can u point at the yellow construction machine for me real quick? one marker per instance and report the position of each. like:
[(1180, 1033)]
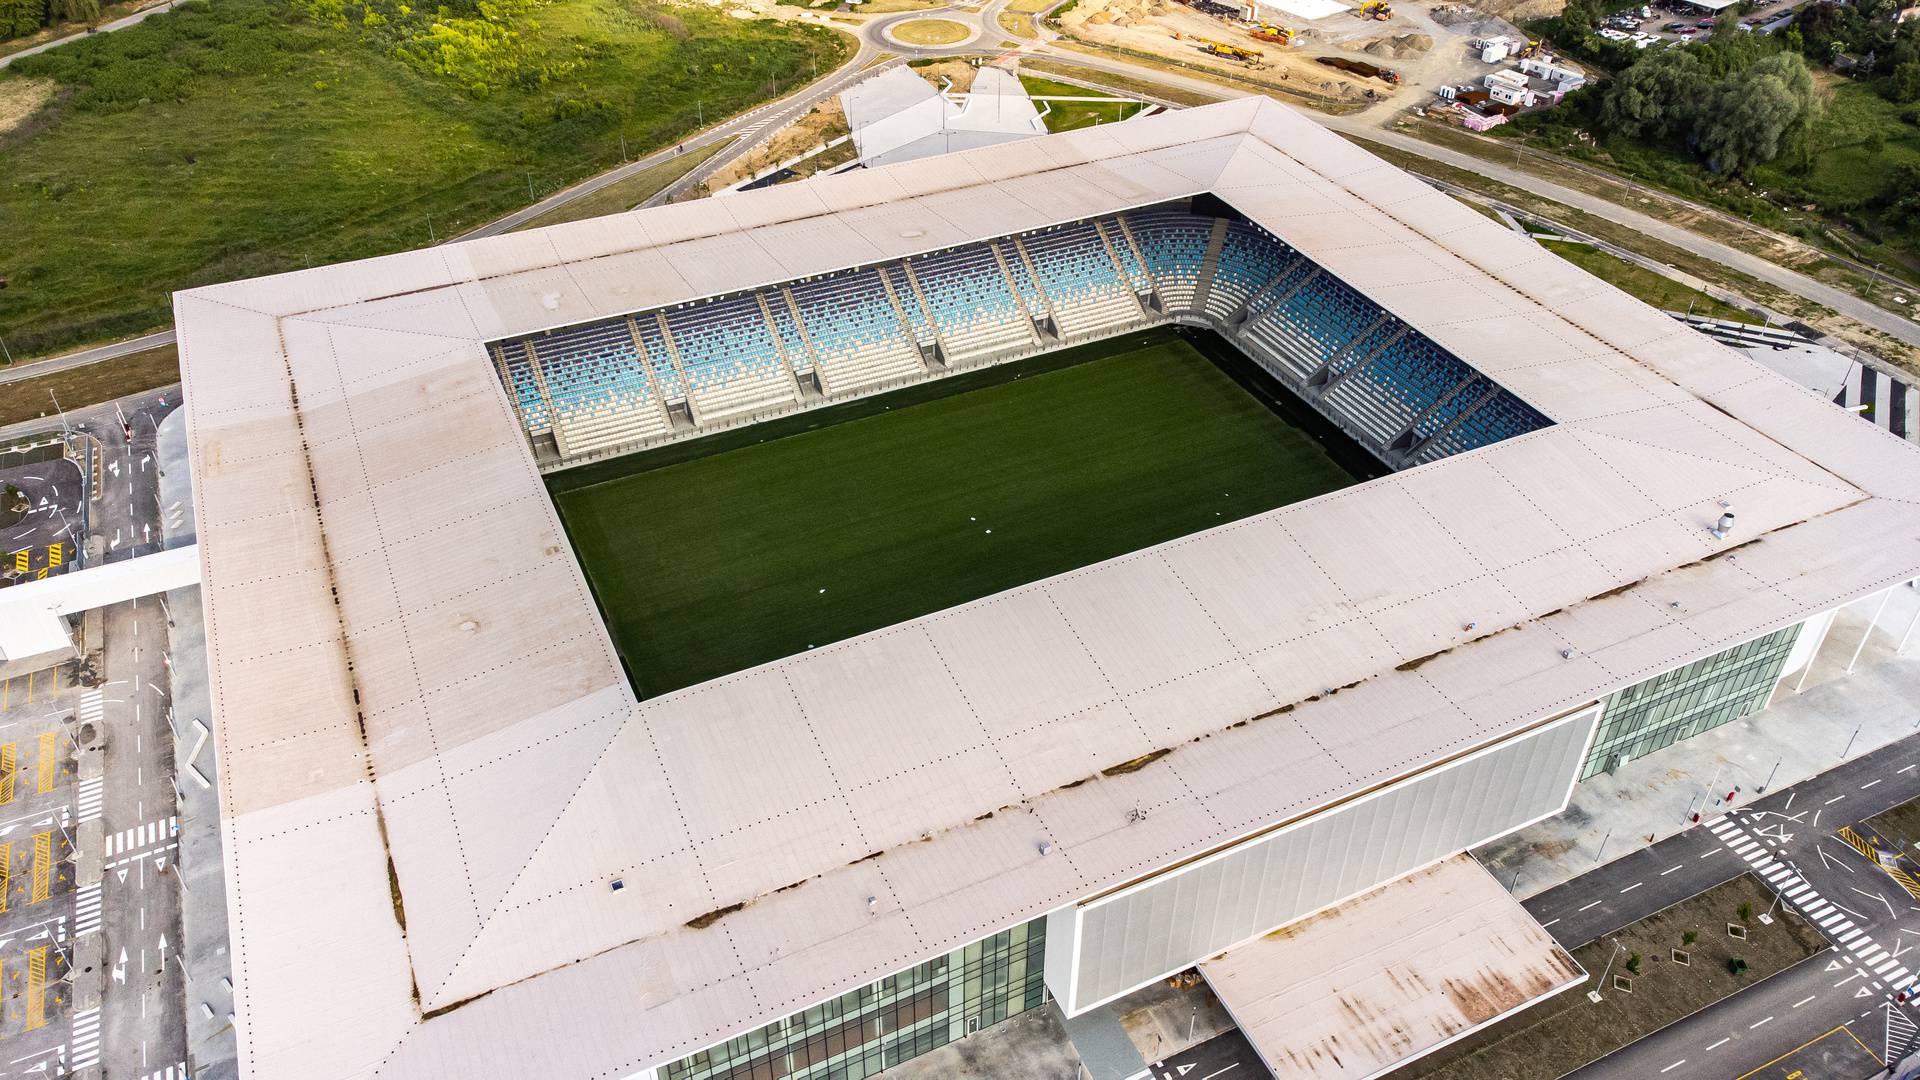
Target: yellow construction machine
[(1249, 57), (1279, 35), (1377, 10)]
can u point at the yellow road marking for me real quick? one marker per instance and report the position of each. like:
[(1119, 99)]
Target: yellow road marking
[(6, 874), (1855, 841), (9, 766), (1810, 1042), (47, 749), (42, 865), (21, 558), (55, 553), (29, 687), (37, 987)]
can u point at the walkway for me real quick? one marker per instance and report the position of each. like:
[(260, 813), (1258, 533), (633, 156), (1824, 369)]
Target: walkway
[(122, 23)]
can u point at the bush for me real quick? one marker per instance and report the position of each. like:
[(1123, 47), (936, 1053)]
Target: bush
[(1737, 966), (1689, 937), (1746, 911), (1633, 964)]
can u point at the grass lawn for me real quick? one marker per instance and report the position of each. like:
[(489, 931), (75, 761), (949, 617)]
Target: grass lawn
[(626, 194), (1637, 281), (711, 565), (1069, 115), (931, 32), (1567, 1031), (238, 137)]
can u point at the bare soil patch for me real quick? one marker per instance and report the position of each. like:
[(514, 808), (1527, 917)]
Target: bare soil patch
[(822, 124), (21, 98)]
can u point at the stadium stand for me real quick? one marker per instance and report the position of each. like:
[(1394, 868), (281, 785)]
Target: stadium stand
[(857, 335), (971, 303), (1174, 244), (728, 357), (616, 384), (1076, 270)]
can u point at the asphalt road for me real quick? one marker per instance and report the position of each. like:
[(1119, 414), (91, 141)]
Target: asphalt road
[(1788, 838), (1226, 1056)]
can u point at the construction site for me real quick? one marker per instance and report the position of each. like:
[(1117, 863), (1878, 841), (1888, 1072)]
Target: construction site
[(1380, 55)]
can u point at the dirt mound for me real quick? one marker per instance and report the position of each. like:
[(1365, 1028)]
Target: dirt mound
[(1398, 46)]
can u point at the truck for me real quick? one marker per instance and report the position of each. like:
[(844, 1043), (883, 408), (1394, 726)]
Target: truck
[(1279, 35), (1360, 68)]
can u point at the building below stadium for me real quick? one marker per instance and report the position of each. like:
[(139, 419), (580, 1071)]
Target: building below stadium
[(463, 838)]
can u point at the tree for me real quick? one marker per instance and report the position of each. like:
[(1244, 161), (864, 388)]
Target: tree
[(1751, 117), (1905, 84), (1633, 964), (1657, 97), (21, 17), (79, 11)]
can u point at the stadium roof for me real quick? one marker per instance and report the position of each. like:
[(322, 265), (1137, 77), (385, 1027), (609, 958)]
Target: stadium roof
[(1389, 976), (432, 767)]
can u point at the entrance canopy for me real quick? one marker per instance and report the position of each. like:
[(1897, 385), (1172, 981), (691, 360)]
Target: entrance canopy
[(1369, 985)]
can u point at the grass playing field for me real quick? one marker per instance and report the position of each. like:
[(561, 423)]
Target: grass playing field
[(718, 563)]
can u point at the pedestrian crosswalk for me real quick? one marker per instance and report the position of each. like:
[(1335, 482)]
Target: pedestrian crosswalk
[(86, 910), (85, 1040), (1882, 969), (1901, 1031), (1886, 402), (142, 836), (172, 1072), (92, 796)]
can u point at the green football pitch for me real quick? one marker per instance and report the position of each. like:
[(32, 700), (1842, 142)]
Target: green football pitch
[(705, 565)]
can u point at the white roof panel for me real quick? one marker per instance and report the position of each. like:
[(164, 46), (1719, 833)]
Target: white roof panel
[(923, 765)]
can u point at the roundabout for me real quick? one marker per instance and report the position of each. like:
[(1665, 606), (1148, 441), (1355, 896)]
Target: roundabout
[(923, 33)]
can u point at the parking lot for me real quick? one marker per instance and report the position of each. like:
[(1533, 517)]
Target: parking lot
[(1676, 22)]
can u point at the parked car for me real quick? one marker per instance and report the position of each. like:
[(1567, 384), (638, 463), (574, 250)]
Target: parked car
[(1687, 31)]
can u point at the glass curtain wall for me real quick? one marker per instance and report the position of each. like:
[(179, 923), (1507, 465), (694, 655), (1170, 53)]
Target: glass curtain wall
[(885, 1023), (1687, 701)]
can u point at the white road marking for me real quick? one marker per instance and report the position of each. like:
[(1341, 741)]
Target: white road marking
[(1596, 903), (1633, 886), (1721, 1043), (1757, 1023), (1833, 800), (1804, 1000), (1870, 783), (1670, 870), (1674, 1066)]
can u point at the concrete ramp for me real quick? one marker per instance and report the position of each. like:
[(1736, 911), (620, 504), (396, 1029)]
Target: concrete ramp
[(1371, 984)]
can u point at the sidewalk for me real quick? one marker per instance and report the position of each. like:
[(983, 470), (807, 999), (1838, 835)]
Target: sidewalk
[(212, 1051), (1835, 718)]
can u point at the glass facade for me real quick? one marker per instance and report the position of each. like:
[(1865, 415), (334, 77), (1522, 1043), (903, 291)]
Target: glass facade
[(885, 1023), (1687, 701)]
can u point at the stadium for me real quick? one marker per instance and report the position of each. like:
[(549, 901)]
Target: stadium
[(781, 634)]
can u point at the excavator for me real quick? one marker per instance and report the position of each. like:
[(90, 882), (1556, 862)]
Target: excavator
[(1377, 10), (1249, 57), (1279, 35), (1529, 49)]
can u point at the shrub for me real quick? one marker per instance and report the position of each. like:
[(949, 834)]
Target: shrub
[(1737, 966), (1689, 937), (1633, 964), (1746, 911)]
